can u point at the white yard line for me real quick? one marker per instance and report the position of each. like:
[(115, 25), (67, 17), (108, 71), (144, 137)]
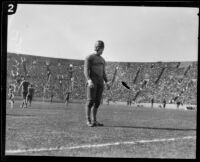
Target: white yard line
[(98, 145)]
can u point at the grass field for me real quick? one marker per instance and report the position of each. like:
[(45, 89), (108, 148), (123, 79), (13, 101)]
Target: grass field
[(53, 130)]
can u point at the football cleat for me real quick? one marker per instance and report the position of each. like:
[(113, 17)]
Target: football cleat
[(90, 124), (98, 124)]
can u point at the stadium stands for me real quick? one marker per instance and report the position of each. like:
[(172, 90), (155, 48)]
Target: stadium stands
[(173, 81)]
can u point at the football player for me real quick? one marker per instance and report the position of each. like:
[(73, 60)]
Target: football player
[(67, 95), (30, 94), (94, 71), (24, 85), (11, 95)]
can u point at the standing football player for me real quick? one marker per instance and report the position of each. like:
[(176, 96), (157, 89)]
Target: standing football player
[(164, 103), (94, 71), (24, 84), (30, 94), (51, 96), (152, 102), (11, 96), (67, 95)]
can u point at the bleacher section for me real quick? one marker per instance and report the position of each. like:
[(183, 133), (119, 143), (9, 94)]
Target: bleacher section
[(173, 81)]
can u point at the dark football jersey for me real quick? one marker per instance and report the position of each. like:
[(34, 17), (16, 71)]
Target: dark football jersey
[(25, 85)]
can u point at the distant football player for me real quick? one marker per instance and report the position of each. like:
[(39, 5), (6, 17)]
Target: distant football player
[(178, 103), (67, 95), (24, 85), (94, 71), (51, 97), (164, 103), (129, 100), (30, 94), (11, 95), (152, 102)]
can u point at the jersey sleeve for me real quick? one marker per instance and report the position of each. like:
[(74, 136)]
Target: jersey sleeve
[(104, 72), (87, 66)]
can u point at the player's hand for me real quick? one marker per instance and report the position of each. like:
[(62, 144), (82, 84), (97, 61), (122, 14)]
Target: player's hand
[(90, 83)]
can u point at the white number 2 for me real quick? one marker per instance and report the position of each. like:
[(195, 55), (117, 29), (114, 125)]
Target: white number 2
[(10, 8)]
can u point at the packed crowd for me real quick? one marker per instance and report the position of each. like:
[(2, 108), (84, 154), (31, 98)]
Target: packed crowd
[(158, 80)]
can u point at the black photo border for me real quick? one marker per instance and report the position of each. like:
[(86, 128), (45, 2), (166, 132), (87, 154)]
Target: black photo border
[(4, 24)]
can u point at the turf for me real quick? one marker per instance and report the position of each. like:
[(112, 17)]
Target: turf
[(46, 125)]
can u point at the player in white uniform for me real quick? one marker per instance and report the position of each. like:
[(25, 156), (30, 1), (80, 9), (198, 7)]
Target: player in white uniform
[(11, 95)]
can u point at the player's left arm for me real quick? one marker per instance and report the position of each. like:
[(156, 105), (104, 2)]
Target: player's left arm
[(105, 77), (104, 73)]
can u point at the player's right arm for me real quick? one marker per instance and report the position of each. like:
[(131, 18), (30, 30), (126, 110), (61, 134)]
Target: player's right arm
[(87, 67)]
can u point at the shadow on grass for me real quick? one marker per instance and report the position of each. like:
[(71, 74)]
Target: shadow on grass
[(153, 128)]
